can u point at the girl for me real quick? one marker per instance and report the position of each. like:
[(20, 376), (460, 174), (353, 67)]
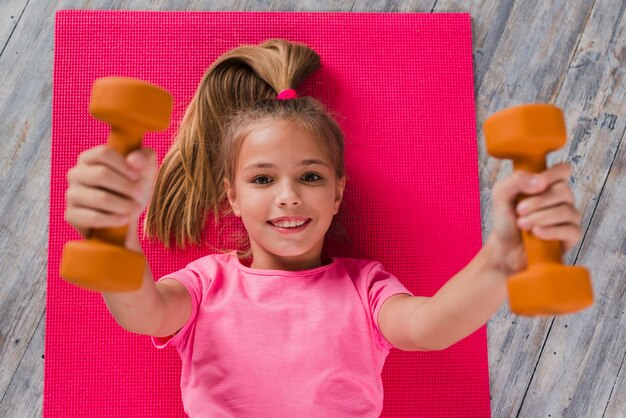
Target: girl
[(278, 330)]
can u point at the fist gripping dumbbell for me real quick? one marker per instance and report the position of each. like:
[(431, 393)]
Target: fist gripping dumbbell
[(131, 107), (526, 134)]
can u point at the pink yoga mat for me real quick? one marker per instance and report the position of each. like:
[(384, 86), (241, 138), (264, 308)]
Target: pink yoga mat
[(403, 89)]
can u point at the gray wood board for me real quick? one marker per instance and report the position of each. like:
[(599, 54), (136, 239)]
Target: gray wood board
[(581, 357), (10, 15)]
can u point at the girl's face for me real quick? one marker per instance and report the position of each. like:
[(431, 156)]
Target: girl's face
[(283, 178)]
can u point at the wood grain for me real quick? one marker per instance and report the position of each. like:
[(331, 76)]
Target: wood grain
[(582, 354), (11, 15), (25, 74)]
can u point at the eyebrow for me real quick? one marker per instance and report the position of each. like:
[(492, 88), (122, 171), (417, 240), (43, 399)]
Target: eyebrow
[(302, 163)]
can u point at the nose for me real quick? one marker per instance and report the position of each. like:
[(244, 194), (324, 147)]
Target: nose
[(288, 195)]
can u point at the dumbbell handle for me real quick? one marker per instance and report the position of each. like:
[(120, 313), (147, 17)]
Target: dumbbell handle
[(123, 141), (537, 250)]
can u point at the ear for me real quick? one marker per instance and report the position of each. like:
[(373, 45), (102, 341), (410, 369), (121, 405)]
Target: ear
[(232, 197), (341, 185)]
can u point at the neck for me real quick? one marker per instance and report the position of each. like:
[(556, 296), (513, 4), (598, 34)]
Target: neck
[(267, 260)]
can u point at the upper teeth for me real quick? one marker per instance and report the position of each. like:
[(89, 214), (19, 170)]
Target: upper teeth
[(288, 224)]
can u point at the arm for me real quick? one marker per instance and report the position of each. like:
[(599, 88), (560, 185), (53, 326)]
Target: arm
[(462, 305), (158, 310), (474, 294), (105, 189)]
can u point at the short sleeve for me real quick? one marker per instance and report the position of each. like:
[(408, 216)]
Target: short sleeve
[(193, 283), (381, 285)]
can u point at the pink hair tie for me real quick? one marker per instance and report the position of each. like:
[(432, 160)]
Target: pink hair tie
[(287, 94)]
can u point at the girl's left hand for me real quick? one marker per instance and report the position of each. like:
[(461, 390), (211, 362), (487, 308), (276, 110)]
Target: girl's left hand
[(548, 212)]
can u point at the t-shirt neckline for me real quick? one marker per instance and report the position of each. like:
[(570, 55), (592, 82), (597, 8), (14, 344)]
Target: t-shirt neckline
[(270, 272)]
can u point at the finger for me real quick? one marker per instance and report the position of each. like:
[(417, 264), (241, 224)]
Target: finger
[(558, 172), (558, 193), (100, 200), (144, 161), (508, 191), (85, 219), (512, 189), (559, 214), (568, 234), (69, 217), (107, 156), (102, 176)]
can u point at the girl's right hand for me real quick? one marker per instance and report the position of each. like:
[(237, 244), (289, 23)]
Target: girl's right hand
[(107, 190)]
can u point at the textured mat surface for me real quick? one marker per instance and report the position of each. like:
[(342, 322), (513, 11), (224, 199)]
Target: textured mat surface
[(402, 87)]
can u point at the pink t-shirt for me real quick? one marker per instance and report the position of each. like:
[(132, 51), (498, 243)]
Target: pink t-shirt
[(274, 343)]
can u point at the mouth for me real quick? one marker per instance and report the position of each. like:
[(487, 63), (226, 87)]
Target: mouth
[(291, 226)]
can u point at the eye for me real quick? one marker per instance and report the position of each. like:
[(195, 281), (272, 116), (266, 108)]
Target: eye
[(261, 180), (312, 177)]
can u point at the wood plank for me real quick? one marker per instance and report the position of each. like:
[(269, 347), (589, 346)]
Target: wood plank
[(577, 372), (11, 13), (24, 396), (413, 6), (208, 5), (25, 71), (593, 95), (298, 6), (617, 400)]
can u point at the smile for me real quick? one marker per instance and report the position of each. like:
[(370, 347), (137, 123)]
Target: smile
[(289, 226)]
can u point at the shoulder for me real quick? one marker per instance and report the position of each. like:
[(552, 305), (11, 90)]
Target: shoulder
[(359, 266), (369, 273), (215, 260), (210, 267)]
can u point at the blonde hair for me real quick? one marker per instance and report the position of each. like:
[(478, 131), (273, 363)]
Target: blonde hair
[(236, 94)]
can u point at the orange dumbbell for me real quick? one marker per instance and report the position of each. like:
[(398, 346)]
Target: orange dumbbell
[(525, 134), (131, 107)]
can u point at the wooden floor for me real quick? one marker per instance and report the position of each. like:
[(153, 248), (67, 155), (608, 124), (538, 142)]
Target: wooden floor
[(570, 53)]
